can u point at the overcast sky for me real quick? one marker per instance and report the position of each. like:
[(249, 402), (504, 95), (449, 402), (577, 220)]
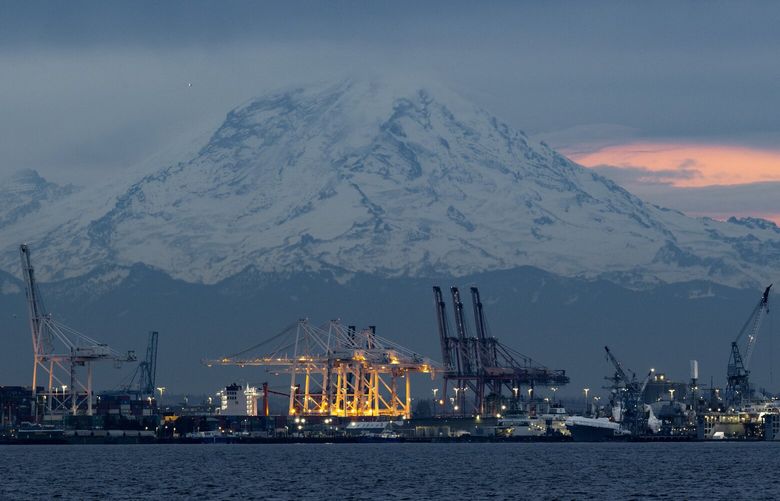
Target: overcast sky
[(90, 88)]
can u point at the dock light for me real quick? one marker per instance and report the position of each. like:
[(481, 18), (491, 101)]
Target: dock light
[(498, 415), (503, 407), (456, 407)]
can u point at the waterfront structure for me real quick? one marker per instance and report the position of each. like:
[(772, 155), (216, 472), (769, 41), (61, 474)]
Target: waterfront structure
[(236, 400), (338, 371), (59, 352), (483, 365)]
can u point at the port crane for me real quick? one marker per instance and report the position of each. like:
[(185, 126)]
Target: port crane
[(59, 352), (482, 364), (627, 394), (142, 382), (345, 371), (738, 387)]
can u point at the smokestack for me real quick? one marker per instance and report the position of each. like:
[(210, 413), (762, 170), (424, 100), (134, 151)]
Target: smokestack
[(694, 370)]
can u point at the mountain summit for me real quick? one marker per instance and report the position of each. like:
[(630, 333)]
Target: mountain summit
[(374, 178)]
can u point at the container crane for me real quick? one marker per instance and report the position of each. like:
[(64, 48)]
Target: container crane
[(738, 387), (345, 372), (483, 364), (146, 372), (58, 352)]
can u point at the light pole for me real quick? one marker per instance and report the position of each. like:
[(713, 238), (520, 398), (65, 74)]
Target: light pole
[(554, 389), (435, 390), (586, 390), (671, 395)]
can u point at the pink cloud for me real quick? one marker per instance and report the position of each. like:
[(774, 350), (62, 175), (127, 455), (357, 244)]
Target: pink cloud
[(689, 165)]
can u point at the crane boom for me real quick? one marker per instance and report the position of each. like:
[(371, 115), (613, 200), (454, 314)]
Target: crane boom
[(148, 368), (754, 323), (628, 392), (41, 342), (619, 370), (441, 318), (460, 324)]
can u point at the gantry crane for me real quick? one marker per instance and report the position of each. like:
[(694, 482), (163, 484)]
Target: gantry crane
[(482, 364), (142, 382), (58, 353), (346, 372), (738, 387), (627, 395)]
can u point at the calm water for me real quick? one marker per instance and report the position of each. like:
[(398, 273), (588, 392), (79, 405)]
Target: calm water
[(393, 471)]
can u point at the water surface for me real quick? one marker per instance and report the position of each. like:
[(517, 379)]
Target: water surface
[(393, 471)]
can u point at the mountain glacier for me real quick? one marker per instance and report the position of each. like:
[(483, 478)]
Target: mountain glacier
[(370, 177)]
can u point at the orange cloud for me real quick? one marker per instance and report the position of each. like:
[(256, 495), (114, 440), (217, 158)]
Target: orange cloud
[(690, 165)]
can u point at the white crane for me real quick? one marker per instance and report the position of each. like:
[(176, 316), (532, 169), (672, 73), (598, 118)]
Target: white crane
[(59, 351)]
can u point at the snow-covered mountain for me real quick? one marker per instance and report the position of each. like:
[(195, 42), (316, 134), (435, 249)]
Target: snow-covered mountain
[(381, 179), (24, 192)]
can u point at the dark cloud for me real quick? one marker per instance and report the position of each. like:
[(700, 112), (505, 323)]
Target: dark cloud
[(756, 198), (632, 176), (94, 86), (687, 164), (719, 202)]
